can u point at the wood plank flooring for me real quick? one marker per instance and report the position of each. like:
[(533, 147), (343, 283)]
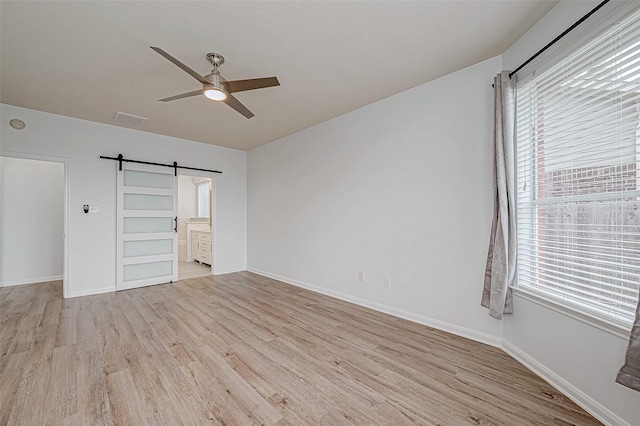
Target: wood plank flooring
[(241, 349), (187, 270)]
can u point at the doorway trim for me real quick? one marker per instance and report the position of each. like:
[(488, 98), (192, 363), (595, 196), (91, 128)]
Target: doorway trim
[(212, 207), (65, 254)]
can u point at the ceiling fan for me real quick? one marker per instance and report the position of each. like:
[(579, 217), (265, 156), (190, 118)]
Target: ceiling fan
[(217, 88)]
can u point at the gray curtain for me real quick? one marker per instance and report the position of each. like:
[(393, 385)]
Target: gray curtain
[(629, 374), (501, 259)]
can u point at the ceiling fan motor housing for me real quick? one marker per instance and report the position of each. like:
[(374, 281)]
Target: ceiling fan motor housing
[(214, 80)]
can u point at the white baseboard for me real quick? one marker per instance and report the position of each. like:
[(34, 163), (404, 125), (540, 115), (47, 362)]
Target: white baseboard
[(229, 271), (589, 404), (396, 312), (30, 281), (90, 292)]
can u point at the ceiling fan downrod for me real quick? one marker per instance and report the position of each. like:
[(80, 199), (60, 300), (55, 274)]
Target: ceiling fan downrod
[(216, 60)]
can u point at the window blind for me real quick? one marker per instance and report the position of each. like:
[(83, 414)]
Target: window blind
[(578, 177)]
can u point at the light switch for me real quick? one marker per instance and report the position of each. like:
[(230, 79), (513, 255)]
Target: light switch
[(94, 209)]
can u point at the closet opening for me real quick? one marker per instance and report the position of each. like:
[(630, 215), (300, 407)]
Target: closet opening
[(33, 211)]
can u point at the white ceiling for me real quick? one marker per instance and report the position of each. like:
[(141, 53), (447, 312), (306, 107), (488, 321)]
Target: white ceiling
[(91, 59)]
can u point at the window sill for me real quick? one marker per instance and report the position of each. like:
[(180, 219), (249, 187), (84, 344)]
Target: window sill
[(618, 329)]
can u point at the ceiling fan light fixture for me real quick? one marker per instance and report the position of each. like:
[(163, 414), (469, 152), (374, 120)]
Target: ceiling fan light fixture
[(215, 94)]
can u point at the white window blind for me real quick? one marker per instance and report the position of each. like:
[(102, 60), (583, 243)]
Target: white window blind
[(578, 177)]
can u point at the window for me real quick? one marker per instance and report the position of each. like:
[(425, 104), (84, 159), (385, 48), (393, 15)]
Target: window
[(578, 177), (203, 199)]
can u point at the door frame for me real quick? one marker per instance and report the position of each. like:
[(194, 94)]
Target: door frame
[(65, 162), (212, 209)]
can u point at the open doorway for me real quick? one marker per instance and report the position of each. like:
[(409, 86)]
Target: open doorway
[(34, 212), (195, 226)]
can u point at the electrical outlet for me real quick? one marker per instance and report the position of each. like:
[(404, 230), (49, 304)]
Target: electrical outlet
[(386, 282), (360, 277), (94, 209)]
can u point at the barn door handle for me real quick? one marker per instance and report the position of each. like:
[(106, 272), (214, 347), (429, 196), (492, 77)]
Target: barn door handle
[(175, 229)]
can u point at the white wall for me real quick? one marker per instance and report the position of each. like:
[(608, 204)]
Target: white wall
[(399, 188), (577, 357), (32, 210), (187, 197), (91, 237)]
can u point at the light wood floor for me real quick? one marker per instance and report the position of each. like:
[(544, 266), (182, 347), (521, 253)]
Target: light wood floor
[(188, 270), (240, 349)]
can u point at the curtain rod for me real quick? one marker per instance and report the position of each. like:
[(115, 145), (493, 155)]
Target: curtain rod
[(555, 40), (120, 158)]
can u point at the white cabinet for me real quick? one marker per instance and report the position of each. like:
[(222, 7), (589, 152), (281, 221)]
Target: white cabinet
[(201, 247), (193, 226)]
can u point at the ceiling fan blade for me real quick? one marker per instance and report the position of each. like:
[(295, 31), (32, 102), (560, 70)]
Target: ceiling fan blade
[(182, 66), (235, 104), (250, 84), (184, 95)]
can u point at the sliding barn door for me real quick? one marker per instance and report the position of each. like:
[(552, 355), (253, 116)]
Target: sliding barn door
[(147, 238)]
